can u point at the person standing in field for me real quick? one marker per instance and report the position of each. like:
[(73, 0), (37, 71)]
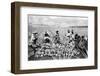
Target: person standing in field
[(57, 38)]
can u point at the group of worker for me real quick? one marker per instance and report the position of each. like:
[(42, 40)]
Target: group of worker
[(72, 41)]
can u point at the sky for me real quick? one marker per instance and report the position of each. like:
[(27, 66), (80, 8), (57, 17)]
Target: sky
[(56, 21)]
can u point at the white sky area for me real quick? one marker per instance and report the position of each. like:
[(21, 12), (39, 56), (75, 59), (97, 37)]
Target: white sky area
[(56, 21)]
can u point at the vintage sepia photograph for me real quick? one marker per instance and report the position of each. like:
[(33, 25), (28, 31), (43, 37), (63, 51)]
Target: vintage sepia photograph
[(57, 37)]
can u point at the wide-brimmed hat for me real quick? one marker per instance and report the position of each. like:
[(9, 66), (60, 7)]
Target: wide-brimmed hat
[(34, 33)]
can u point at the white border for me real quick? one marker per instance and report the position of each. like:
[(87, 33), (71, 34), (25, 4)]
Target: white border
[(25, 64)]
